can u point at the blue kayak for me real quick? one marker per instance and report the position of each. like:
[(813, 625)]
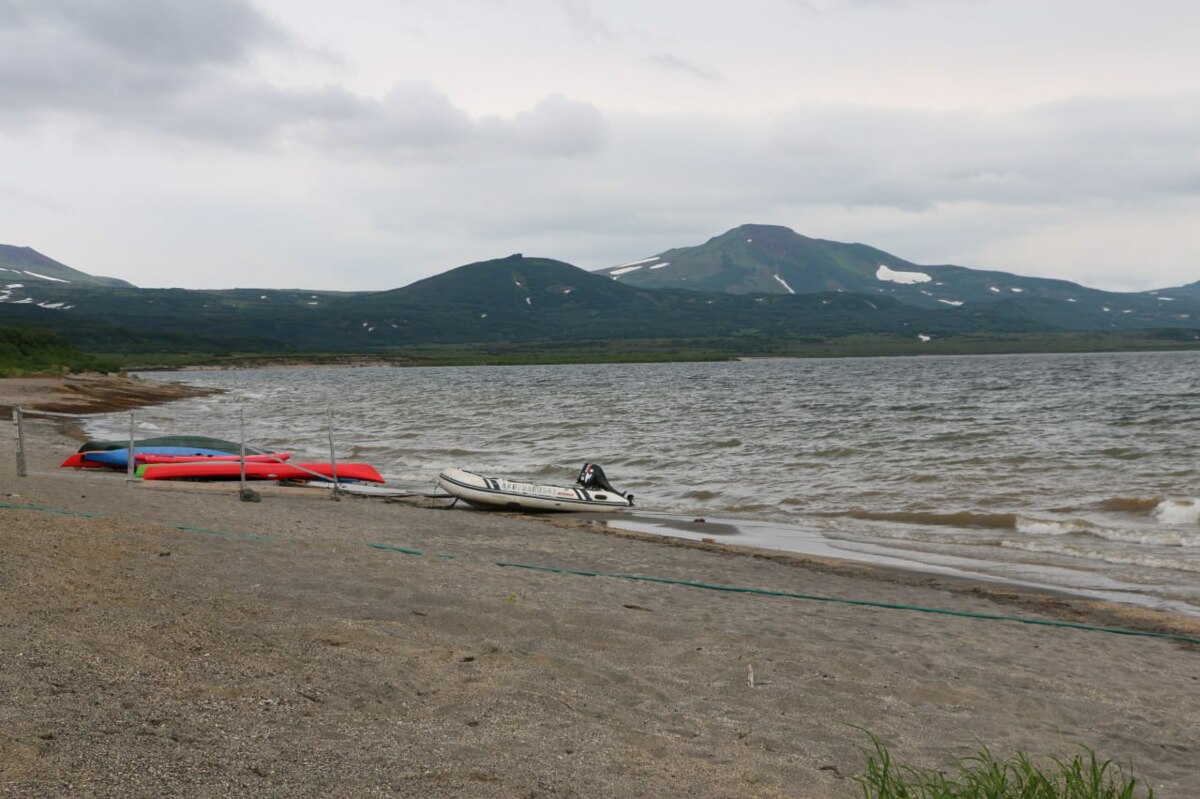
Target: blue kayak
[(120, 457)]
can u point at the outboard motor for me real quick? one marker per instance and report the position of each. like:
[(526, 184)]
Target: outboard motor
[(591, 477)]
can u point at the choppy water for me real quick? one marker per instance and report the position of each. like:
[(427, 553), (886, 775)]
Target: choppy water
[(1076, 471)]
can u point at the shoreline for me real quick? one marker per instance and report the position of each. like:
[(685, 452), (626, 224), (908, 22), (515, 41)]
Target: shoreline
[(176, 641), (90, 394)]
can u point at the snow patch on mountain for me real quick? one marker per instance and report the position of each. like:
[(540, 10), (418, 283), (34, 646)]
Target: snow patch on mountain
[(894, 276)]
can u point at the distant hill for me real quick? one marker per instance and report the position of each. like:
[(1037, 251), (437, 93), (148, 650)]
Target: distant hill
[(822, 290), (772, 259), (25, 264), (1190, 290), (512, 299)]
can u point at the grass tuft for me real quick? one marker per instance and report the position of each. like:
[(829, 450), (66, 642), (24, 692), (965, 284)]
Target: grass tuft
[(982, 776)]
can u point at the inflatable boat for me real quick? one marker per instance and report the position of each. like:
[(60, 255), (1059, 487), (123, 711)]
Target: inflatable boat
[(591, 492)]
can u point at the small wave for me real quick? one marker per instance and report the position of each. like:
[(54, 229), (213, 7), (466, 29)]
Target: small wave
[(1178, 511), (836, 452), (728, 443), (701, 494), (454, 453), (1161, 538), (1116, 557), (749, 508), (961, 519), (1043, 527), (1137, 505), (1123, 453)]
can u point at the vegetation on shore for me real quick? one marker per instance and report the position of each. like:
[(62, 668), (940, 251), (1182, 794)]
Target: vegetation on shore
[(27, 350), (680, 350), (982, 776)]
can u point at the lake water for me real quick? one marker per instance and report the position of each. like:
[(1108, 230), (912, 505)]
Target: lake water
[(1071, 471)]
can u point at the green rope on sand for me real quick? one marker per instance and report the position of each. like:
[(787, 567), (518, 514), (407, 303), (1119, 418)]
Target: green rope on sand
[(11, 506), (688, 583), (390, 548), (863, 602)]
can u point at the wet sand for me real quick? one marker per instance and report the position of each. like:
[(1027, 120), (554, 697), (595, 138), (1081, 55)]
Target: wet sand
[(175, 641)]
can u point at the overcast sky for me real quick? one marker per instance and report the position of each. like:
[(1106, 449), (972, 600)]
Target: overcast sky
[(365, 144)]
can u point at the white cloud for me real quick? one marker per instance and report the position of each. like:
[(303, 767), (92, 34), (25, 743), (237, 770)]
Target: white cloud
[(284, 143)]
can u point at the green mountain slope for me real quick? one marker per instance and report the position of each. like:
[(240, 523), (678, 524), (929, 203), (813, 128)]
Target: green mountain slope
[(777, 260), (849, 289), (27, 265), (512, 299)]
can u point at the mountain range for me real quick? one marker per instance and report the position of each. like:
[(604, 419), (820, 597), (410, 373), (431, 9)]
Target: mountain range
[(770, 259), (753, 283)]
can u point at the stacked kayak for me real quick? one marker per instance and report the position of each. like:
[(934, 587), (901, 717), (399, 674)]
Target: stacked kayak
[(203, 458), (188, 442), (119, 458)]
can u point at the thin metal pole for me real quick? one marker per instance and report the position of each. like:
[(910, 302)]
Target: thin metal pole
[(19, 418), (332, 451), (242, 421), (131, 464)]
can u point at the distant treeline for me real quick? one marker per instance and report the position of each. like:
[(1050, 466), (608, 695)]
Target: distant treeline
[(24, 350)]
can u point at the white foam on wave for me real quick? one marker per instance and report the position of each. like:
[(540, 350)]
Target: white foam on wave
[(1054, 529), (1121, 557), (1178, 511), (1161, 538), (1041, 527)]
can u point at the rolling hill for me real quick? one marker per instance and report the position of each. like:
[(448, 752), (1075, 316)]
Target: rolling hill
[(772, 259), (514, 299), (820, 291)]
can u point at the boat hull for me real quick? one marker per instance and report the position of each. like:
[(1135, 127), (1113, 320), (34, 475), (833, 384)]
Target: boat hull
[(226, 470), (120, 457), (500, 494)]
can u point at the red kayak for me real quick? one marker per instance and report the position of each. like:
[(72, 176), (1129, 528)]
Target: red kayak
[(226, 470)]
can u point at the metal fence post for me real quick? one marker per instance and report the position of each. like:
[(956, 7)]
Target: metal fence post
[(19, 419), (131, 463)]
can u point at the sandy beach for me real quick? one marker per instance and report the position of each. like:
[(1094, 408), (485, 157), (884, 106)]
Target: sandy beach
[(176, 641)]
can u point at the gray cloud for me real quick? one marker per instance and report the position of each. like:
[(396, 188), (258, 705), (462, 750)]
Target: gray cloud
[(1082, 149), (673, 63), (168, 31), (131, 61), (415, 119), (823, 6), (164, 67), (585, 20), (557, 128)]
